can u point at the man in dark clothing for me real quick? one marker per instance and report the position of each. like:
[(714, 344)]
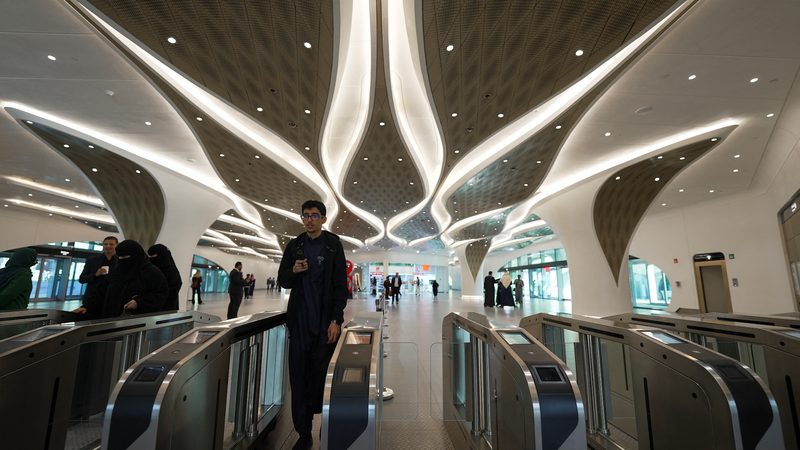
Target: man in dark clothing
[(488, 290), (161, 257), (396, 283), (95, 277), (236, 285), (313, 267), (136, 286)]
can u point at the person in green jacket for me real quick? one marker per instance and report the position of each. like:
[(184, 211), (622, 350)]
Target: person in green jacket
[(15, 280)]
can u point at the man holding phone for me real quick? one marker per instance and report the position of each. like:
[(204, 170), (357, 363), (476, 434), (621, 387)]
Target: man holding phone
[(95, 276), (313, 267)]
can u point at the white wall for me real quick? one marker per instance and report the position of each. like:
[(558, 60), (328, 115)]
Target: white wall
[(250, 264), (22, 229)]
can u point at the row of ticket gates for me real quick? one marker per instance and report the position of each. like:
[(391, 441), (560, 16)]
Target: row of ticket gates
[(187, 380)]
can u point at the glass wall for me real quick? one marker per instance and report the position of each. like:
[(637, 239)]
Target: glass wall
[(650, 287), (545, 274), (215, 278)]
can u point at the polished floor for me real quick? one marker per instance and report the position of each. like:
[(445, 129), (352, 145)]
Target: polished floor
[(412, 367)]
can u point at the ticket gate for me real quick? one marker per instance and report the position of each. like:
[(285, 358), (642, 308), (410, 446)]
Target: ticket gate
[(218, 386), (16, 322), (351, 405), (789, 320), (504, 390), (772, 352), (55, 380), (646, 388)]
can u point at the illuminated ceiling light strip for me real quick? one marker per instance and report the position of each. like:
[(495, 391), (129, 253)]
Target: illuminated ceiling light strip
[(456, 244), (412, 108), (551, 187), (471, 220), (532, 240), (250, 237), (358, 243), (225, 242), (506, 235), (518, 131), (24, 112), (249, 251), (420, 240), (238, 123), (351, 98), (99, 218), (55, 190), (263, 233)]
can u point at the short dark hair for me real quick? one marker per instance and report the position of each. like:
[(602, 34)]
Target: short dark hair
[(490, 272), (308, 204), (111, 238), (238, 264)]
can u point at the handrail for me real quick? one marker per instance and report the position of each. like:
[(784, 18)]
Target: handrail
[(16, 322)]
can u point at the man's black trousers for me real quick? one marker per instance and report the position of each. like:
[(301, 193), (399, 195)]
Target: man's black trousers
[(233, 306), (307, 370)]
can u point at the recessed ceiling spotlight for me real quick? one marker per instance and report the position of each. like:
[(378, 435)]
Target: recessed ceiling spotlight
[(30, 195), (258, 156), (660, 157), (657, 179), (682, 158), (366, 158), (501, 115), (400, 159), (450, 47), (355, 182), (259, 109), (456, 151), (692, 76), (51, 57), (538, 162), (307, 44), (771, 115), (558, 127), (77, 206), (754, 79), (5, 206), (735, 170), (307, 111), (663, 204), (199, 119), (29, 122), (714, 139), (222, 155), (49, 214), (455, 114), (526, 184), (383, 124), (91, 146), (607, 134), (94, 169), (148, 123), (66, 145), (579, 52), (138, 171), (307, 147), (67, 180), (171, 40), (618, 178), (737, 156), (505, 160), (710, 191), (681, 190), (411, 183), (109, 92)]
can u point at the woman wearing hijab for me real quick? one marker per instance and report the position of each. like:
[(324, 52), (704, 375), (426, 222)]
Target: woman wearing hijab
[(136, 286), (161, 257), (504, 296), (197, 281), (15, 280)]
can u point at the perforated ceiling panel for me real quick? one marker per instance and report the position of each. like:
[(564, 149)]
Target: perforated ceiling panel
[(382, 173), (625, 196), (139, 216), (475, 252), (509, 56), (350, 225), (419, 226), (250, 53), (258, 178), (485, 228)]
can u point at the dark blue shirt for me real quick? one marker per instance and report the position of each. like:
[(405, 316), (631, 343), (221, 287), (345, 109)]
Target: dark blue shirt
[(310, 313)]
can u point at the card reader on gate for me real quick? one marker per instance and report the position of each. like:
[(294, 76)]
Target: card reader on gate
[(149, 373)]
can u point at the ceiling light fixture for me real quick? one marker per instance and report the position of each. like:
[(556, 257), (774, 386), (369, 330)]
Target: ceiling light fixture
[(455, 114), (681, 190), (579, 52), (171, 40), (259, 109), (355, 182), (754, 80), (67, 180), (138, 171), (307, 111), (307, 44), (400, 159), (51, 57), (737, 156), (692, 76), (558, 127), (456, 151), (383, 124), (29, 122), (660, 157), (607, 134), (500, 115), (148, 123), (236, 180), (307, 147), (505, 160), (710, 191), (663, 204), (450, 47), (714, 139), (771, 115), (366, 158), (222, 155), (94, 169), (682, 158), (66, 145), (618, 178), (735, 170), (258, 156), (91, 146), (657, 179), (199, 119)]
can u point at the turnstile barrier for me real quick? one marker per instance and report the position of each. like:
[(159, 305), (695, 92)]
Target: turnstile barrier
[(16, 322)]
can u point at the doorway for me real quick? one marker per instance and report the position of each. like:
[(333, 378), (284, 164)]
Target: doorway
[(713, 292)]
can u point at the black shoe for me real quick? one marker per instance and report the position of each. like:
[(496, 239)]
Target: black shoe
[(303, 443)]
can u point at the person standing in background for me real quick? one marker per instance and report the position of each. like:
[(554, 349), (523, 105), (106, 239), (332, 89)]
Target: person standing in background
[(136, 286), (488, 290), (161, 257), (197, 283), (504, 297), (15, 280), (252, 285), (518, 285), (417, 286), (435, 287), (397, 282), (95, 277), (236, 286)]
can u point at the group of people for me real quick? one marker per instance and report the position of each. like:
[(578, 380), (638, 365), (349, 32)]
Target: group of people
[(272, 284), (504, 295), (393, 285)]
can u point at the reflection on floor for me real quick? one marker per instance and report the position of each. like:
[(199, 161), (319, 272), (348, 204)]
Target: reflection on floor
[(413, 365)]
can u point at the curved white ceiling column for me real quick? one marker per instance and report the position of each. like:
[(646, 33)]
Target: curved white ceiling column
[(236, 122), (351, 100), (411, 105), (527, 125)]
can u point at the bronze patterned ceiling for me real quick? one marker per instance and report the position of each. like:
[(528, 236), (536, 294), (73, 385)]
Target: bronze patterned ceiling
[(139, 216), (625, 196), (475, 253), (419, 226)]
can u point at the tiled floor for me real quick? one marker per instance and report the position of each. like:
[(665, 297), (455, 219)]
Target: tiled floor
[(412, 367)]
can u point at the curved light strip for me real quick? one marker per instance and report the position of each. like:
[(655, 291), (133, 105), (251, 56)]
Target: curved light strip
[(551, 187), (351, 99), (24, 112), (532, 240), (225, 242), (420, 240), (236, 122), (532, 122), (260, 231), (506, 235), (351, 240), (252, 238), (471, 220), (94, 217), (412, 107), (55, 190)]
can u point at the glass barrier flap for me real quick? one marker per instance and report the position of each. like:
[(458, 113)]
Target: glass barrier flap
[(400, 374)]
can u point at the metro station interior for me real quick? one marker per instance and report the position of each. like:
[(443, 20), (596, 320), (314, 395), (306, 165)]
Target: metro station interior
[(631, 165)]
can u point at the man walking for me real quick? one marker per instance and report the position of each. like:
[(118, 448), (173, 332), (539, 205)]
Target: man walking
[(396, 283), (488, 290), (313, 267), (518, 285), (236, 285)]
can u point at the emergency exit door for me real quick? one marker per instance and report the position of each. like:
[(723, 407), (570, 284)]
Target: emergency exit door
[(713, 292)]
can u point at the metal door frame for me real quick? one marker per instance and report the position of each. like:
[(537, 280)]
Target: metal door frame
[(698, 281)]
